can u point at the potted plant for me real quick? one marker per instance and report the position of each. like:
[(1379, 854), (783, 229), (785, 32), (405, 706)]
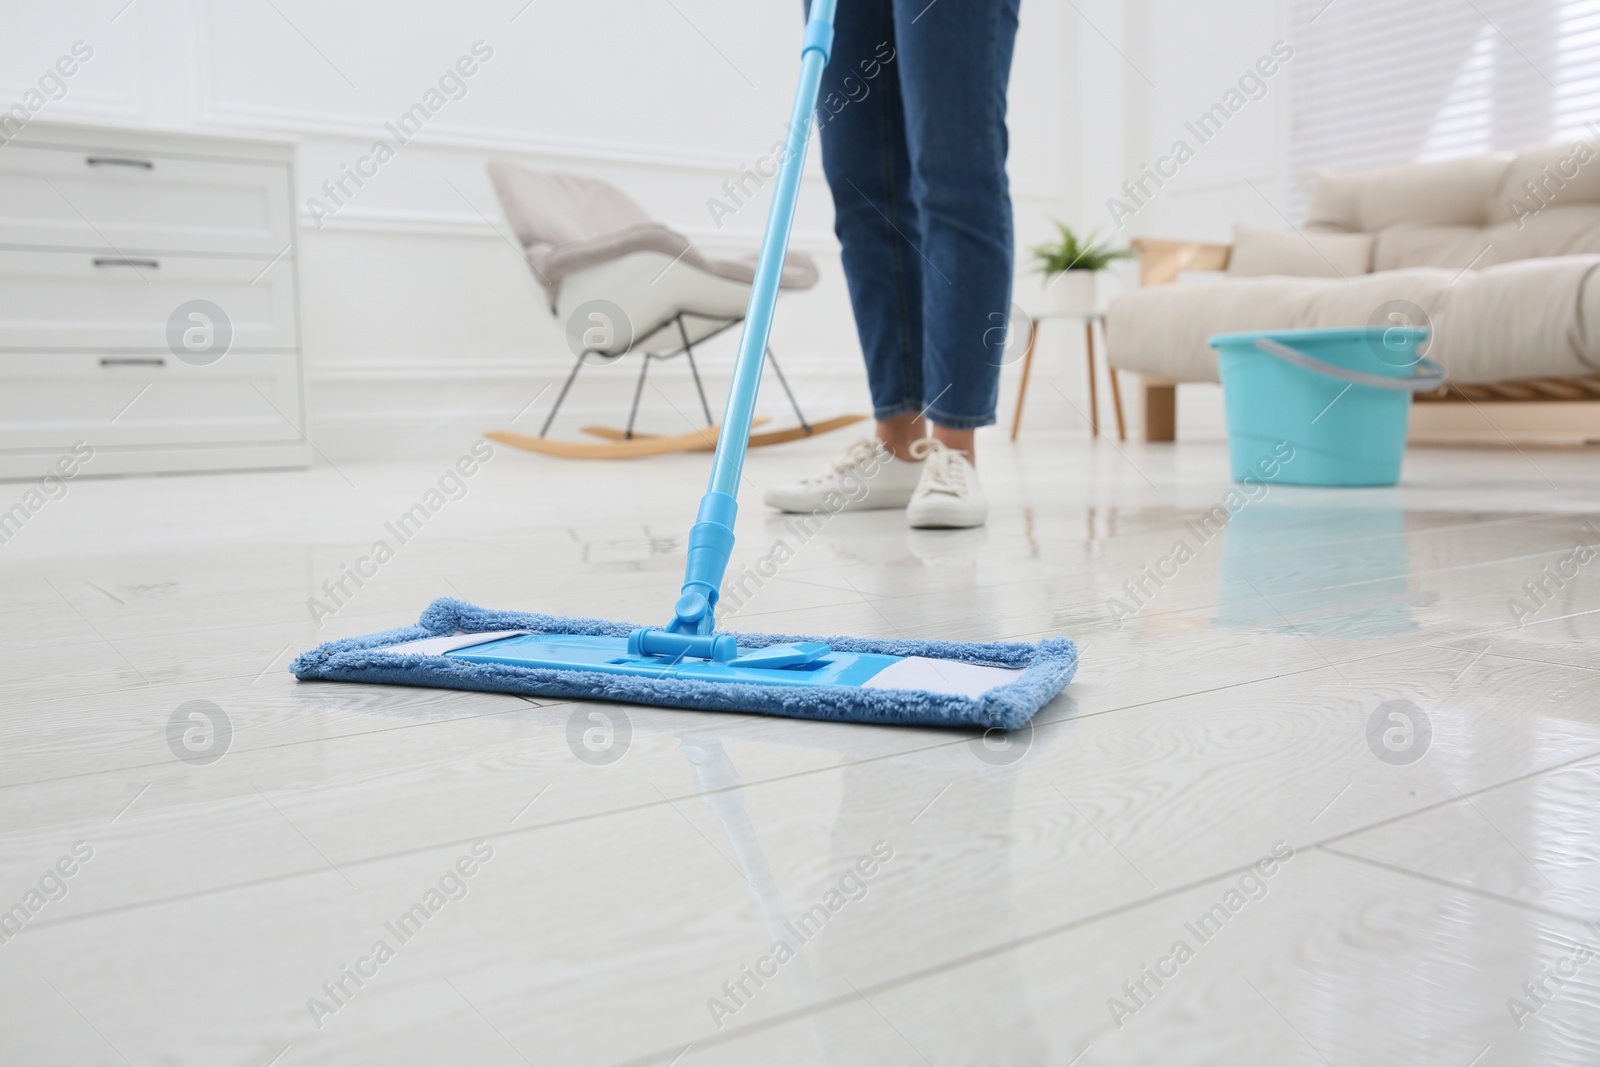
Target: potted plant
[(1069, 264)]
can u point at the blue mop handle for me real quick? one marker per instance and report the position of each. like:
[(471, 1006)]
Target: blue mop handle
[(711, 538), (728, 465)]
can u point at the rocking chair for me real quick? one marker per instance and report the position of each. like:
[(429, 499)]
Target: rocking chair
[(622, 282)]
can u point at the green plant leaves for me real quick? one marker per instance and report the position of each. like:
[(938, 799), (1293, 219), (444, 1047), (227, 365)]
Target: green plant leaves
[(1070, 252)]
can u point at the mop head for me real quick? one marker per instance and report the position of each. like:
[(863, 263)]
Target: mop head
[(456, 645)]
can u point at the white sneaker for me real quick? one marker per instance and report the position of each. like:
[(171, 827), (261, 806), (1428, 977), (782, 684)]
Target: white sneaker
[(863, 477), (948, 495)]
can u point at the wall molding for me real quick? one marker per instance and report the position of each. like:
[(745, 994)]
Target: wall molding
[(77, 106), (404, 373), (412, 371), (362, 132), (237, 116), (469, 224), (468, 139)]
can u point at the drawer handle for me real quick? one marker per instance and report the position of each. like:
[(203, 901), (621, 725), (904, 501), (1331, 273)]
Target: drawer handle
[(133, 361), (119, 161), (123, 261)]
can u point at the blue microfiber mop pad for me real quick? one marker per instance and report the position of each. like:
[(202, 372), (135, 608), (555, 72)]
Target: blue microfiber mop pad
[(1047, 668)]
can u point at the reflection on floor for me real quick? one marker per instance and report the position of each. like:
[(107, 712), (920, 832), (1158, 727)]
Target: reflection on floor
[(1323, 791)]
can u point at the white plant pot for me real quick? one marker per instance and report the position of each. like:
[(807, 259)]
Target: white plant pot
[(1072, 292)]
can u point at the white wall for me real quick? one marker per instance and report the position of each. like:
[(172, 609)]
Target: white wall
[(1146, 67), (1194, 54), (420, 321)]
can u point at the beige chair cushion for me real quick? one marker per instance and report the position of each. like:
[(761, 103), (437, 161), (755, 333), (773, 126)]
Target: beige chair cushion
[(1310, 254), (1455, 193), (566, 222), (1528, 319), (550, 208)]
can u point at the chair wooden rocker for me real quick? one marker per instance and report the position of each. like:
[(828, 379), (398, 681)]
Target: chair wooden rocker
[(621, 283)]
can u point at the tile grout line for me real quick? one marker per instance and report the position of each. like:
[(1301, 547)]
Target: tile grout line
[(1445, 883)]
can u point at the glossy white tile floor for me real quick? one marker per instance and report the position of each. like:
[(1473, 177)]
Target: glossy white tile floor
[(1240, 712)]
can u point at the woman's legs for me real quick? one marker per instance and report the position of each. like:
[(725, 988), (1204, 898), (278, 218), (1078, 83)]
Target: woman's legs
[(912, 119), (954, 60), (900, 432), (861, 118)]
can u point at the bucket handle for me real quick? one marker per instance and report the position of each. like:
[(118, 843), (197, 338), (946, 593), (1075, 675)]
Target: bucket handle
[(1432, 377)]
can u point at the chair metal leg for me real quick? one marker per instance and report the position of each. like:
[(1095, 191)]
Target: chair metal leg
[(694, 369), (637, 393), (560, 397), (804, 425)]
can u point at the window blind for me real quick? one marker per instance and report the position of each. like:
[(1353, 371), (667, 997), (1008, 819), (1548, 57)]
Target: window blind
[(1377, 82)]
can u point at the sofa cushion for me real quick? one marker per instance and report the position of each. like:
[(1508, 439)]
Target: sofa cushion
[(1561, 174), (1398, 247), (1555, 231), (1453, 193), (1311, 254), (1528, 319)]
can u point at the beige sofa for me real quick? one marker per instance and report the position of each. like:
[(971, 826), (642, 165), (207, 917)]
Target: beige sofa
[(1499, 255)]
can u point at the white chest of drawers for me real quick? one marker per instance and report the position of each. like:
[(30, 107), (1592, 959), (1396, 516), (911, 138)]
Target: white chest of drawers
[(148, 302)]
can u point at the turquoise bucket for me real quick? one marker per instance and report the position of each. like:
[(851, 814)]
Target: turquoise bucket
[(1340, 399)]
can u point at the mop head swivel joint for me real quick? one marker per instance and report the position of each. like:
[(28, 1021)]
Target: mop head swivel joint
[(710, 545)]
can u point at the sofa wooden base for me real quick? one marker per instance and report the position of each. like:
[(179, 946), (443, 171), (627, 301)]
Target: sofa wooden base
[(1160, 409), (1526, 389)]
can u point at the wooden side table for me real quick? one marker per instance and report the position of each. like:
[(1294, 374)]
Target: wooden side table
[(1089, 320)]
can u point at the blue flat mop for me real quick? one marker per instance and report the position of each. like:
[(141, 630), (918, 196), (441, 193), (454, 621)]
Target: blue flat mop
[(687, 664)]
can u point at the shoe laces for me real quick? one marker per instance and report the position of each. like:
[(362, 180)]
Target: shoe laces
[(943, 468), (850, 459)]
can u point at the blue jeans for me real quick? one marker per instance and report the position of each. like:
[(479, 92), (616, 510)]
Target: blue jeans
[(913, 125)]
